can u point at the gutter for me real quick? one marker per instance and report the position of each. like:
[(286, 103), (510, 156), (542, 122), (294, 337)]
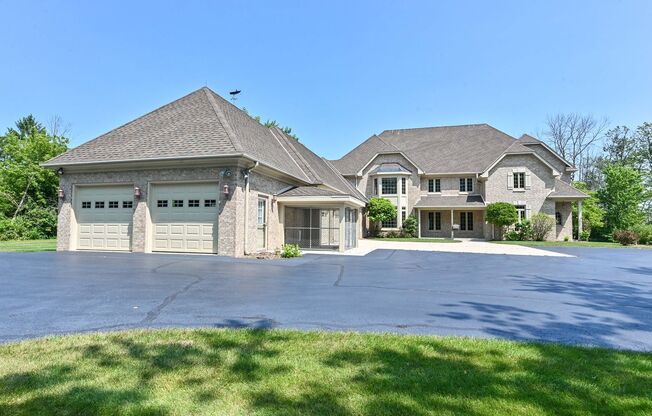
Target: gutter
[(246, 211)]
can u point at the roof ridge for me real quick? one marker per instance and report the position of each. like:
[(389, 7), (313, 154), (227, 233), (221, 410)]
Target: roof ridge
[(292, 158), (340, 177), (439, 127), (222, 119), (288, 141)]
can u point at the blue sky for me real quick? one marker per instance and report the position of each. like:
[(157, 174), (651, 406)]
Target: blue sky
[(336, 72)]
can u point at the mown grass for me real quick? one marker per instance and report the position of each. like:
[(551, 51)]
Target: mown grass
[(416, 240), (599, 244), (256, 372), (28, 245)]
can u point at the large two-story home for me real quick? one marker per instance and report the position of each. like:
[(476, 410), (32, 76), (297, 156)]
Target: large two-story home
[(446, 176), (199, 175)]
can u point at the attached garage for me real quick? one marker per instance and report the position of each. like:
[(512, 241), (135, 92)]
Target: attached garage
[(184, 217), (104, 217)]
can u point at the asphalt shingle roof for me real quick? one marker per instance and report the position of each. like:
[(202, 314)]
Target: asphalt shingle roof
[(450, 201), (564, 190), (449, 149)]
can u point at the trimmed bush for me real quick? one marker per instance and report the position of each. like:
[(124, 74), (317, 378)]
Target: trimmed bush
[(410, 226), (290, 250), (626, 237), (542, 224), (512, 235), (501, 215), (585, 235), (524, 230)]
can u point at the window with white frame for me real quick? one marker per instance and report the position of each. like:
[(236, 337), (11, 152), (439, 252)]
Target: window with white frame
[(434, 185), (437, 185), (519, 180), (127, 204), (177, 203), (466, 221), (466, 184), (521, 210), (403, 186), (114, 204), (209, 203), (388, 186), (193, 203), (389, 224), (86, 204), (431, 221), (438, 221), (403, 213)]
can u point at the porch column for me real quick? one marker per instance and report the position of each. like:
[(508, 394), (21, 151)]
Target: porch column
[(342, 230), (399, 203), (452, 220), (419, 223), (579, 218)]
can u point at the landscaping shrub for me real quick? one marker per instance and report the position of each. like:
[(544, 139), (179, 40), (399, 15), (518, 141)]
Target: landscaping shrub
[(644, 233), (290, 250), (567, 239), (379, 210), (542, 224), (501, 215), (585, 235), (524, 230), (410, 226), (626, 237), (512, 235)]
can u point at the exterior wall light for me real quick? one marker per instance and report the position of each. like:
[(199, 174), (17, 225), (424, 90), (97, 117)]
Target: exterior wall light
[(137, 192), (60, 171), (226, 191), (61, 194)]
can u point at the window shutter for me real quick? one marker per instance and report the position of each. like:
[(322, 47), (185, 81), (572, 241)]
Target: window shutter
[(510, 180), (527, 212), (528, 180)]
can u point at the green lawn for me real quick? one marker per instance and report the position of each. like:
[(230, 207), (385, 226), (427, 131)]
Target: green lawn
[(416, 240), (28, 245), (571, 244), (244, 372)]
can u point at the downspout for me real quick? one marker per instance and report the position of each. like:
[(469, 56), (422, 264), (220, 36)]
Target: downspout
[(246, 211)]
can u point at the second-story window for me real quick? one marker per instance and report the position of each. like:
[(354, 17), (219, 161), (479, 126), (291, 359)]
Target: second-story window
[(519, 180), (466, 184), (403, 186), (375, 186), (437, 185), (431, 185), (388, 186)]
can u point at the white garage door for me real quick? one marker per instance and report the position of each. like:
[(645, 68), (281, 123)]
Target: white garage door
[(104, 217), (184, 217)]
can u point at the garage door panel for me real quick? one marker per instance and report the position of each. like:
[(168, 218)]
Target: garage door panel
[(184, 226), (104, 222)]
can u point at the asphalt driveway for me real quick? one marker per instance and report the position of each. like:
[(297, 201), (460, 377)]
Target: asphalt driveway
[(601, 297)]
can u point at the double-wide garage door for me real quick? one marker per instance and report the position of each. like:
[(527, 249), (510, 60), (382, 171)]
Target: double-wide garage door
[(104, 217), (184, 217)]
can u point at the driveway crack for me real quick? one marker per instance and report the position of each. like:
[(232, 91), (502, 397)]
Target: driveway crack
[(154, 313)]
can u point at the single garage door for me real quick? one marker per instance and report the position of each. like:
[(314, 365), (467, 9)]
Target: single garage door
[(184, 217), (104, 217)]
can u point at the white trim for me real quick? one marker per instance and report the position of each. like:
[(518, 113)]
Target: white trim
[(550, 149), (345, 199), (397, 152)]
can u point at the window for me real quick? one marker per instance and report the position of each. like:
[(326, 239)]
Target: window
[(403, 213), (177, 203), (209, 203), (466, 184), (519, 180), (389, 224), (193, 203), (127, 204), (388, 186), (558, 217), (114, 204), (262, 204), (437, 185), (431, 185), (466, 221), (403, 186), (431, 220), (86, 204), (99, 204), (162, 203), (375, 186), (522, 212), (437, 221)]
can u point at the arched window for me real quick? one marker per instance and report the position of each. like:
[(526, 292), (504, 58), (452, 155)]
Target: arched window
[(558, 217)]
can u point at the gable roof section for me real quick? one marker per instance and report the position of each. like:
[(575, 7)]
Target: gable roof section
[(528, 140), (564, 190), (200, 124), (435, 150)]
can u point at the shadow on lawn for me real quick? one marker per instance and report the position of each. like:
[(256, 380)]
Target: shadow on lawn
[(372, 376)]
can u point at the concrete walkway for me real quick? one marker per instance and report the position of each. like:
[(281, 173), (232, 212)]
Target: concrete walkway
[(465, 246)]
